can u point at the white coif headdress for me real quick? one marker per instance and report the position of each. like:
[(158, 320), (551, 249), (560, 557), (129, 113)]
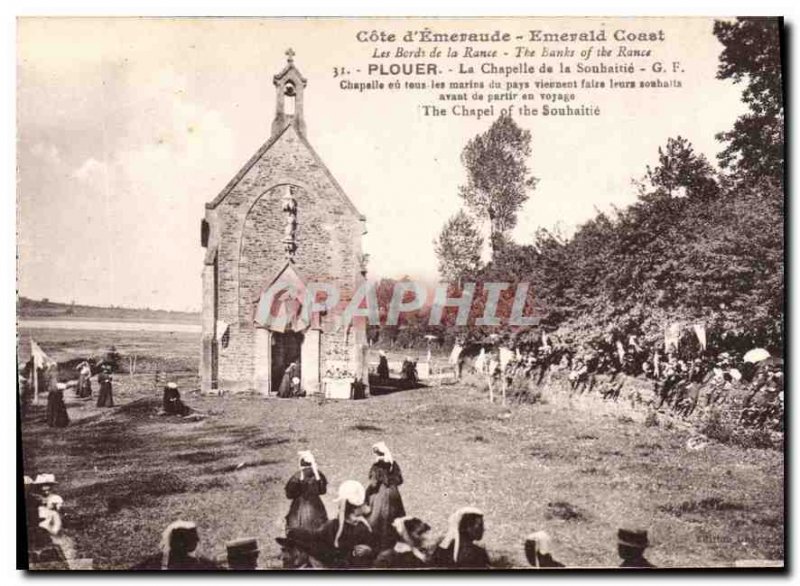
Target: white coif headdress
[(308, 457), (166, 538), (353, 492), (453, 523), (406, 542), (542, 541), (382, 453)]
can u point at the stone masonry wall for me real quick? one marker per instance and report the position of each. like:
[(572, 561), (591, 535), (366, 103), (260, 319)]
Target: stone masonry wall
[(250, 228)]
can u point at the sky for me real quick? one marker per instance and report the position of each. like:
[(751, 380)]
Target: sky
[(127, 127)]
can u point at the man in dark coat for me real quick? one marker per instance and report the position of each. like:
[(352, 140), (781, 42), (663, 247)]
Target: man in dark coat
[(300, 550), (631, 544), (243, 554)]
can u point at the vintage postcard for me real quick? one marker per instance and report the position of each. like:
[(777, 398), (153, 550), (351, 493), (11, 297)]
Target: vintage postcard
[(400, 293)]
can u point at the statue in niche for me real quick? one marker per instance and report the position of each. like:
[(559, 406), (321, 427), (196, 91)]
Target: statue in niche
[(363, 259), (289, 208)]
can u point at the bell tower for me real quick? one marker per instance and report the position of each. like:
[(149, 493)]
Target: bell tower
[(289, 87)]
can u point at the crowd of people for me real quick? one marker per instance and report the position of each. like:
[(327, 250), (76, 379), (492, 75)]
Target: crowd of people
[(371, 529), (56, 413), (409, 376), (685, 382)]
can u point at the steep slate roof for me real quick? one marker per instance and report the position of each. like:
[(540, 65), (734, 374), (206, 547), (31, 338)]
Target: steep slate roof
[(262, 151)]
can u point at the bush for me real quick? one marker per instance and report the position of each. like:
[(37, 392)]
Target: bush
[(716, 428), (522, 390), (651, 420), (724, 427)]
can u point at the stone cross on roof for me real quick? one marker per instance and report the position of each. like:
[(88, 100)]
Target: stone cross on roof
[(290, 55)]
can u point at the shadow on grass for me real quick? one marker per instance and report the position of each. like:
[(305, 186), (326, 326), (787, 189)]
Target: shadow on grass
[(139, 407), (201, 457), (564, 511), (702, 507), (242, 465), (267, 442), (392, 385), (365, 427), (542, 453), (127, 491)]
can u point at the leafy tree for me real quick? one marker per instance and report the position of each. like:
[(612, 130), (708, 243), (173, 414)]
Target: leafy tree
[(458, 248), (697, 246), (752, 55), (498, 178), (681, 171)]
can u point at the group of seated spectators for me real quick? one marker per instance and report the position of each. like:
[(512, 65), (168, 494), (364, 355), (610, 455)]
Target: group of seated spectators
[(414, 548), (684, 383), (371, 529)]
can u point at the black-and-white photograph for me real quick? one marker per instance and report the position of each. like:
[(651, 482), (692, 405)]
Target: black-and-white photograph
[(400, 293)]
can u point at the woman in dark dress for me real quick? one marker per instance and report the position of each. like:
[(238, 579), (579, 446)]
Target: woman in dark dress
[(304, 488), (409, 553), (289, 387), (383, 496), (383, 367), (347, 541), (56, 409), (178, 544), (458, 549), (84, 380), (105, 398), (172, 401)]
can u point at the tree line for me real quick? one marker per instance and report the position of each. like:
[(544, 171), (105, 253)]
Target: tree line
[(700, 244)]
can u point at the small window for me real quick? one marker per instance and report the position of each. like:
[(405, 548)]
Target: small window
[(205, 230)]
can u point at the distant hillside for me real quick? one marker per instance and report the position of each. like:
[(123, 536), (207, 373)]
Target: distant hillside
[(44, 309)]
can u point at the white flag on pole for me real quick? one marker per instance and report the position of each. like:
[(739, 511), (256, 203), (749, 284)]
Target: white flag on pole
[(40, 359)]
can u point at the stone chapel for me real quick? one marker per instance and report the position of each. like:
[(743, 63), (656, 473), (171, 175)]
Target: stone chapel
[(282, 218)]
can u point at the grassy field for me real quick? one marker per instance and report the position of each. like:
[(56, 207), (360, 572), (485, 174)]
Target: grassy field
[(574, 470)]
